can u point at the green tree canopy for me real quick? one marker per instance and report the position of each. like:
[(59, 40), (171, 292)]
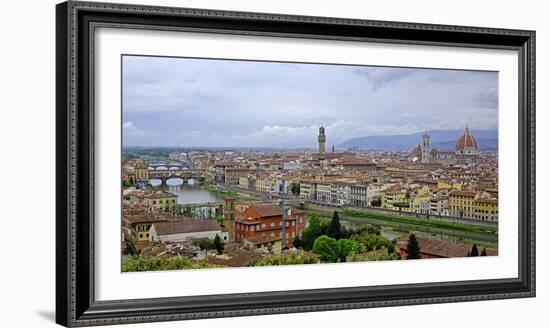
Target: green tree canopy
[(293, 258), (368, 228), (142, 263), (475, 251), (297, 242), (205, 244), (317, 227), (295, 188), (374, 256), (218, 244), (332, 250), (374, 242), (413, 248), (334, 229)]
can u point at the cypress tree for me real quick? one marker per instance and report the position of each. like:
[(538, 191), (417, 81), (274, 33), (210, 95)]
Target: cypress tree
[(334, 229), (297, 243), (484, 252), (218, 244), (413, 249), (475, 251)]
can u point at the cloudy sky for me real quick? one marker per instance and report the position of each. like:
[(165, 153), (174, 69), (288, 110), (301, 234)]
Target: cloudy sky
[(196, 102)]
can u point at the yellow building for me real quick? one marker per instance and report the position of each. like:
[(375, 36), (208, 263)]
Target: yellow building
[(461, 203), (421, 196), (392, 197), (141, 173), (486, 209), (136, 223), (307, 189), (264, 184), (243, 182), (159, 200), (448, 185)]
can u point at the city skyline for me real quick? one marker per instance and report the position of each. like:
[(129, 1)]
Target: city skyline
[(177, 102)]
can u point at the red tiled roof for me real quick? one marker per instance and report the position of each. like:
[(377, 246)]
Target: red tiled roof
[(169, 228), (262, 211), (442, 248), (467, 140)]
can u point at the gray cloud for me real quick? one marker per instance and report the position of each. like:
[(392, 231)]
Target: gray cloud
[(197, 102)]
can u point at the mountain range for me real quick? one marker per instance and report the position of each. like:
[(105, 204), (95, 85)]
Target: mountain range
[(439, 139)]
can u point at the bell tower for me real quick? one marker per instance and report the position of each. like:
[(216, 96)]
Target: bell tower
[(322, 138), (425, 149), (229, 217)]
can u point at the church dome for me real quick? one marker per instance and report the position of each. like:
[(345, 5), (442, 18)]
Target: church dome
[(466, 141), (416, 152)]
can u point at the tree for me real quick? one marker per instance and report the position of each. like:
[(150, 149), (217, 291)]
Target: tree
[(475, 251), (297, 243), (332, 250), (401, 205), (327, 247), (205, 244), (347, 233), (219, 219), (376, 202), (374, 256), (295, 188), (316, 228), (218, 244), (334, 229), (284, 259), (484, 252), (347, 247), (373, 242), (413, 249)]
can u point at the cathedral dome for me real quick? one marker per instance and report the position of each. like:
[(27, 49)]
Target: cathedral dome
[(416, 152), (466, 142)]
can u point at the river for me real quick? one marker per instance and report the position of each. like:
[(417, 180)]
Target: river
[(188, 193), (393, 230)]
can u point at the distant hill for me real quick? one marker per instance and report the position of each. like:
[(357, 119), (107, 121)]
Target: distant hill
[(483, 144), (440, 139)]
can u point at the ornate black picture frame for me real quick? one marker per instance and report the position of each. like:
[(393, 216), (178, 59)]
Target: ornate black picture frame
[(75, 302)]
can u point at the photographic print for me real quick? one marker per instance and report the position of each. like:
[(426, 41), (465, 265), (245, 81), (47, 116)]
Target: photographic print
[(234, 163)]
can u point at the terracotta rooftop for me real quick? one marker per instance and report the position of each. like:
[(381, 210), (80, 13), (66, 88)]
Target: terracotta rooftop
[(262, 211), (465, 193), (187, 226), (149, 217), (442, 248), (237, 258)]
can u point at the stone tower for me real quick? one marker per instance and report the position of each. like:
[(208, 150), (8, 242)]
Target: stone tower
[(425, 148), (321, 138), (229, 217)]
